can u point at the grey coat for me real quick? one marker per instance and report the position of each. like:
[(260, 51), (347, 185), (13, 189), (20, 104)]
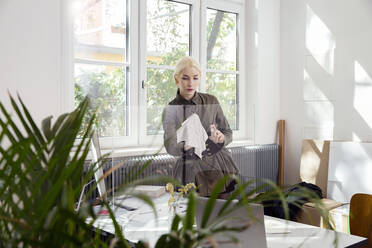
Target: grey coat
[(216, 161)]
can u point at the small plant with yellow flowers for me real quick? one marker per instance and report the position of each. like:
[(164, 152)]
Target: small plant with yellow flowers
[(174, 199)]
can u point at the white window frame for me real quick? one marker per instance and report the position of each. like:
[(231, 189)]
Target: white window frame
[(137, 63), (238, 9), (133, 64)]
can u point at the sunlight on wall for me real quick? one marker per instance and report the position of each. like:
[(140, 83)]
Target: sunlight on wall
[(317, 84), (319, 133), (320, 41), (355, 137), (319, 111), (349, 161), (311, 91), (319, 114), (363, 93), (255, 39)]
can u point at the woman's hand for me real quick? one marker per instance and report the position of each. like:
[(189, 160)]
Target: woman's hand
[(216, 135), (186, 147)]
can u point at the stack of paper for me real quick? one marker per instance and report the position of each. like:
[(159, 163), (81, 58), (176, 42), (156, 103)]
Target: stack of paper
[(149, 190)]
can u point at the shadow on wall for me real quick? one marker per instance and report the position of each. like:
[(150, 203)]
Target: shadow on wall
[(337, 85)]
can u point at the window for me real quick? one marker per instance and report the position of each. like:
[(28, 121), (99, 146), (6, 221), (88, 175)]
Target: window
[(168, 40), (102, 63), (221, 66), (124, 57)]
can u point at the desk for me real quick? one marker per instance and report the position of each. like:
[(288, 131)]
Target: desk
[(142, 225), (281, 233)]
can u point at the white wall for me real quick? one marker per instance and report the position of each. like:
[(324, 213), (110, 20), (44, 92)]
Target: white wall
[(30, 54), (262, 67), (326, 70)]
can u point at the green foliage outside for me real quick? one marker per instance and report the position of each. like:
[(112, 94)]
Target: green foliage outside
[(222, 85), (170, 45), (161, 90), (107, 92)]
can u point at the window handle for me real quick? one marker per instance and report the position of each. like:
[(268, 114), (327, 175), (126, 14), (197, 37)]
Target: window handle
[(143, 84)]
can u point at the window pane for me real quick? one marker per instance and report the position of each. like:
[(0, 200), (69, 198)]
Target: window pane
[(105, 86), (161, 90), (221, 40), (223, 86), (167, 31), (100, 30), (168, 35)]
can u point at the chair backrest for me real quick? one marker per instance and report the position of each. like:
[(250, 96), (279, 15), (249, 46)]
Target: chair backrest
[(254, 236), (361, 216)]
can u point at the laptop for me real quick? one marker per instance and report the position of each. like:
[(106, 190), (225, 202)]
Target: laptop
[(254, 236), (96, 154), (119, 200)]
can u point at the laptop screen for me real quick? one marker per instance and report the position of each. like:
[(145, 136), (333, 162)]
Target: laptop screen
[(96, 154), (253, 236)]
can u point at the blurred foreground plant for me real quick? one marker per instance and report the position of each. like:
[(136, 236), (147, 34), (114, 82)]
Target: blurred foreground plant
[(42, 175), (185, 234)]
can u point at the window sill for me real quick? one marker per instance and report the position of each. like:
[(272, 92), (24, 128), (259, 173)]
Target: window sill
[(237, 143), (138, 151), (134, 151)]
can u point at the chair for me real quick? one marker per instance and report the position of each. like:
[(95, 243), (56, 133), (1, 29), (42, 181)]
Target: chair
[(361, 216)]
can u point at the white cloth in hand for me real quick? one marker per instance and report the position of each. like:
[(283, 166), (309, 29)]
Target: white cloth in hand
[(193, 133)]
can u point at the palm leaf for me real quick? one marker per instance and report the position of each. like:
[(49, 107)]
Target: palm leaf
[(39, 181)]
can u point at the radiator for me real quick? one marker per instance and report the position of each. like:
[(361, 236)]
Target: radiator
[(258, 162), (125, 167), (159, 165)]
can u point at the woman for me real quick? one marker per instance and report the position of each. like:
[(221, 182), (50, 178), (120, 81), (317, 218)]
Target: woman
[(216, 160)]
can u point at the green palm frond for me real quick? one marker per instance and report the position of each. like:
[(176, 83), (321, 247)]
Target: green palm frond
[(41, 176)]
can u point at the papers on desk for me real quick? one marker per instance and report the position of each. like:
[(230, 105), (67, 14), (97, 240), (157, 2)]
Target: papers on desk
[(149, 190), (273, 226), (279, 230), (130, 202)]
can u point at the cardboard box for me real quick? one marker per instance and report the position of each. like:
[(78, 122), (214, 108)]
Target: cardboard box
[(339, 217), (310, 214)]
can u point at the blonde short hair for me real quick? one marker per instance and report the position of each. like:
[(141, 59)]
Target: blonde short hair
[(183, 63)]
